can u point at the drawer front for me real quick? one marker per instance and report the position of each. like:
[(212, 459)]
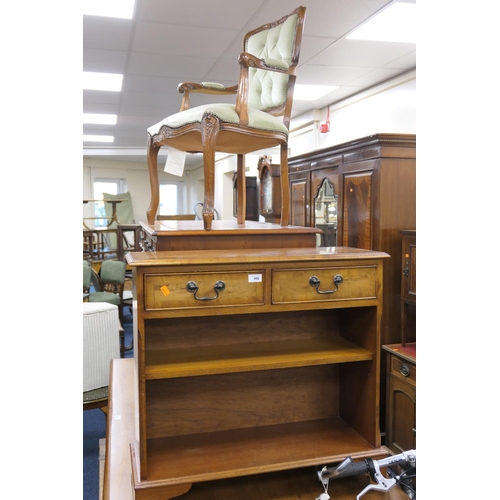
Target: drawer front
[(313, 285), (403, 369), (170, 291)]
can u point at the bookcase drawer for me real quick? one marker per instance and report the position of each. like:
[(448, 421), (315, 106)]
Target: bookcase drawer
[(403, 370), (324, 284), (202, 290)]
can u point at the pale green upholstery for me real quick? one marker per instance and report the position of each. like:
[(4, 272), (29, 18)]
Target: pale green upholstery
[(87, 276), (268, 89), (111, 281), (259, 118), (226, 112), (108, 297), (124, 210), (112, 271)]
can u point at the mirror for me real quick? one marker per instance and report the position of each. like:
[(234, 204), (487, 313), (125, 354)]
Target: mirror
[(325, 213)]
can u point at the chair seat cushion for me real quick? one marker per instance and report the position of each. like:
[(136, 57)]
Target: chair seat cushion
[(108, 297), (95, 395), (226, 113)]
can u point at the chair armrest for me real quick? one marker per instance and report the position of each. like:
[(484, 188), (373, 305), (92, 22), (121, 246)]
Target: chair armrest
[(249, 60), (186, 88)]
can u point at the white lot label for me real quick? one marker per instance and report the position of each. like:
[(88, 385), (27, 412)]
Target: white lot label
[(175, 162), (255, 278)]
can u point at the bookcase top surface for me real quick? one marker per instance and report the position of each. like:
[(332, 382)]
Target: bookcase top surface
[(267, 255)]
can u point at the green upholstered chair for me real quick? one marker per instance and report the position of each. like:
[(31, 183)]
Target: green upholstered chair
[(111, 283), (259, 119), (87, 277), (90, 280)]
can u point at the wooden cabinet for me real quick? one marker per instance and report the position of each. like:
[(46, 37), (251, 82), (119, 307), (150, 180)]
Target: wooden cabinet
[(402, 357), (409, 287), (375, 179), (300, 198), (401, 397), (251, 198), (253, 361)]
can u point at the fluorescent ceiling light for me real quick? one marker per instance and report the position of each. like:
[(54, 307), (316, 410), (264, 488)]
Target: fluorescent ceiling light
[(123, 9), (311, 92), (99, 119), (102, 81), (98, 138), (397, 23)]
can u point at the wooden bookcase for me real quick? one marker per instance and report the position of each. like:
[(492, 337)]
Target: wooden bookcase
[(263, 372)]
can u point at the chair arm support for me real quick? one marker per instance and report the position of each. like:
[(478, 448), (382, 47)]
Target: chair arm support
[(186, 88), (206, 88), (251, 61)]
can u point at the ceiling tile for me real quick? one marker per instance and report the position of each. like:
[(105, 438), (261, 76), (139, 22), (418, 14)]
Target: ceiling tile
[(362, 53), (105, 61), (329, 75), (140, 83), (176, 40), (182, 68), (408, 61), (312, 46), (107, 33), (101, 96), (225, 14)]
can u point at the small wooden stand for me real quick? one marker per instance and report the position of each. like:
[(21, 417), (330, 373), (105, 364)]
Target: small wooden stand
[(225, 235)]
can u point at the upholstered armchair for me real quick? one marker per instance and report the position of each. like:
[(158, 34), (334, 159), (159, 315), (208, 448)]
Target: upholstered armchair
[(259, 119), (111, 283)]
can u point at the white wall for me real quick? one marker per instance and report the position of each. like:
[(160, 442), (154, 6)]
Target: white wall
[(137, 180), (387, 108)]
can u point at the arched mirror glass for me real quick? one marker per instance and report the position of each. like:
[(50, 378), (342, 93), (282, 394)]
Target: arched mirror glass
[(325, 213)]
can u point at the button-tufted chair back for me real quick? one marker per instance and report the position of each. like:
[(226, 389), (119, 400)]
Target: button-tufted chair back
[(268, 90)]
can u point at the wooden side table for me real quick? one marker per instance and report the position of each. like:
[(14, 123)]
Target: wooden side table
[(109, 220), (88, 244)]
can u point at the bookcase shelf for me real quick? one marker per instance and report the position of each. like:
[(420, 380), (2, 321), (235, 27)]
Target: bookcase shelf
[(239, 452), (211, 360)]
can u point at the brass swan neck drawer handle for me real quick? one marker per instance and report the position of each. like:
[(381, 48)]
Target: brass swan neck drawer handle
[(192, 287), (337, 280)]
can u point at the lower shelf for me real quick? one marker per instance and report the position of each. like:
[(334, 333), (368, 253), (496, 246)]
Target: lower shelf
[(217, 455)]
